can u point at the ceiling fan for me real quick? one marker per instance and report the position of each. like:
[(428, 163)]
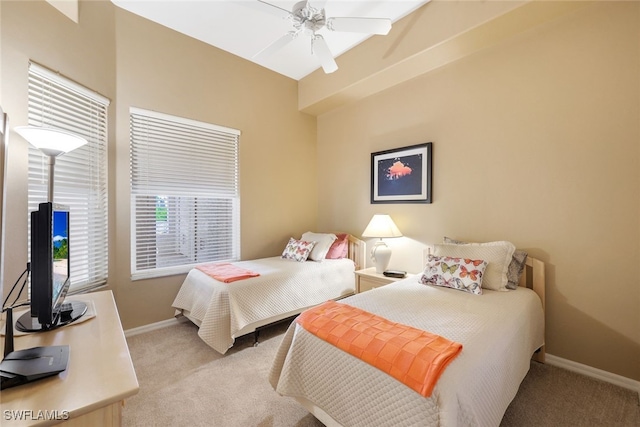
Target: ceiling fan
[(308, 20)]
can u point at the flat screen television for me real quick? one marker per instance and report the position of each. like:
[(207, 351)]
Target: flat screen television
[(50, 271)]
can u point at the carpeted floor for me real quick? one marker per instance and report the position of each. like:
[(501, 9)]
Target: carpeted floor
[(184, 382)]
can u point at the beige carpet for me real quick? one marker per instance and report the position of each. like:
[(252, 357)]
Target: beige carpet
[(184, 382)]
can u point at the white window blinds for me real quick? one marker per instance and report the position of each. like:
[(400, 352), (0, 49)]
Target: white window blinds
[(185, 199), (80, 175)]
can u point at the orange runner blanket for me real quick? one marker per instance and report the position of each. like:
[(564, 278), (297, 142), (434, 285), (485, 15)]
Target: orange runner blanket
[(414, 357), (226, 272)]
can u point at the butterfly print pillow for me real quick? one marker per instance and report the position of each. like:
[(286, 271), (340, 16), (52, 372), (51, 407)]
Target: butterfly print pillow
[(297, 250), (456, 273)]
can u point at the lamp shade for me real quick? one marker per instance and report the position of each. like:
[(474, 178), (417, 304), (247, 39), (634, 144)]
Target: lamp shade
[(381, 226), (51, 142)]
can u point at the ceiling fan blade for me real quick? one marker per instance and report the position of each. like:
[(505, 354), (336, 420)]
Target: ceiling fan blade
[(380, 26), (323, 53), (275, 46), (270, 8)]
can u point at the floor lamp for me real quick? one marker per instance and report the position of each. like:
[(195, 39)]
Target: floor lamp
[(20, 367), (53, 143), (381, 226)]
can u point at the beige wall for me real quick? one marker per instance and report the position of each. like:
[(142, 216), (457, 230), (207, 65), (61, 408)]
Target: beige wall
[(83, 52), (536, 141), (165, 71), (137, 63)]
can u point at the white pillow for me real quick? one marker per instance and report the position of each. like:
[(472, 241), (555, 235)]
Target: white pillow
[(497, 254), (323, 243)]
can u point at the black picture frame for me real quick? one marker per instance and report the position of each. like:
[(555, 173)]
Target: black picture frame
[(402, 175)]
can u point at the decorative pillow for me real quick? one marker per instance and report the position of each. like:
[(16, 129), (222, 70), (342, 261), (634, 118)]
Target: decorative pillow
[(339, 248), (323, 243), (457, 273), (297, 250), (516, 266), (518, 261), (497, 255)]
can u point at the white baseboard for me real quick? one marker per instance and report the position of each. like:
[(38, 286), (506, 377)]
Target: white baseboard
[(588, 371), (153, 326)]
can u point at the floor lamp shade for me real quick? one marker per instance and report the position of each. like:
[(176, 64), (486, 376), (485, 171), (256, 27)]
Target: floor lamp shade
[(52, 142), (381, 226)]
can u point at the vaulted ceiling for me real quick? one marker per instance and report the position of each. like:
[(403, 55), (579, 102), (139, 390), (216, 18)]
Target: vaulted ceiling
[(245, 27)]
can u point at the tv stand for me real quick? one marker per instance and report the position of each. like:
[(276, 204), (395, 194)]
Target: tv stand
[(26, 323), (98, 378)]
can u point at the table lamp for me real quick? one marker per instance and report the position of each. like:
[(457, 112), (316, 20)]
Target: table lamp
[(52, 142), (381, 226)]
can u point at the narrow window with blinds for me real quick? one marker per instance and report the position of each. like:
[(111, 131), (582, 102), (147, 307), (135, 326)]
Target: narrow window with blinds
[(185, 199), (80, 175)]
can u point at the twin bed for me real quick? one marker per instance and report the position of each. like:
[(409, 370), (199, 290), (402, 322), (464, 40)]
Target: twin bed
[(284, 288), (498, 329), (499, 332)]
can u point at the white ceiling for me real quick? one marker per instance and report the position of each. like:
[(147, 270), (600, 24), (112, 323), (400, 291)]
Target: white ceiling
[(241, 28)]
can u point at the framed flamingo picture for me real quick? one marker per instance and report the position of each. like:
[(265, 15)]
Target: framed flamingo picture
[(402, 175)]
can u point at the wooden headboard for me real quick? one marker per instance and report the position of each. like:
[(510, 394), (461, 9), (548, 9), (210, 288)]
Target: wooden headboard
[(533, 277), (356, 252)]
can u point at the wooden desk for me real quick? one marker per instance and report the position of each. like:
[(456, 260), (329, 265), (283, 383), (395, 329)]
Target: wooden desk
[(91, 391)]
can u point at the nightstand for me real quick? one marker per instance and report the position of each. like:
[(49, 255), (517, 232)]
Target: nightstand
[(368, 279)]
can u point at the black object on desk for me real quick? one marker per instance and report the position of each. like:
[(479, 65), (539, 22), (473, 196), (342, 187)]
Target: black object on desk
[(395, 273), (23, 366)]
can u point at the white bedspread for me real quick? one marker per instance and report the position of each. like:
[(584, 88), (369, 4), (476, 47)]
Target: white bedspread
[(224, 311), (499, 332)]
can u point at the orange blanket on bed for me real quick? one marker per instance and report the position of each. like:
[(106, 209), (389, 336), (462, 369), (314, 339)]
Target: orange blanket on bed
[(226, 272), (414, 357)]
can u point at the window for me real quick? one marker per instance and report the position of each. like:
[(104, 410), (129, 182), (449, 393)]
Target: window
[(80, 176), (185, 198)]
